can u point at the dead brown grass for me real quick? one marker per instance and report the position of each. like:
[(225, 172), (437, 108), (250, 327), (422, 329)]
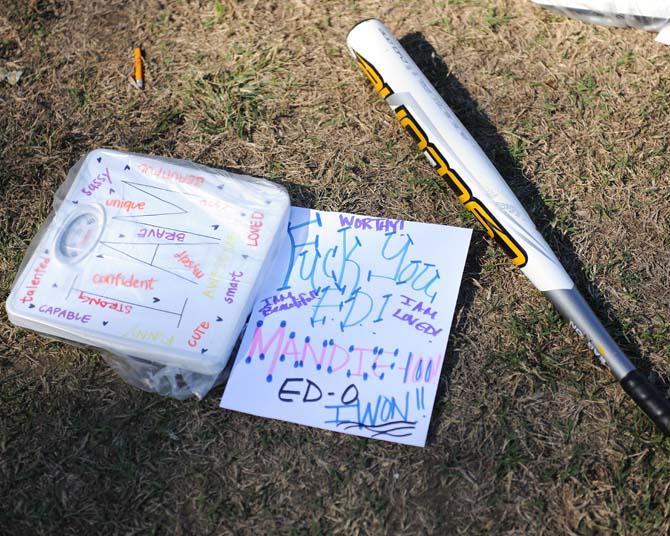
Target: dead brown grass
[(530, 436)]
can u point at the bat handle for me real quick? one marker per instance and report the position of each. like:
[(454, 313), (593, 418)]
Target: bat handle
[(650, 400), (572, 306)]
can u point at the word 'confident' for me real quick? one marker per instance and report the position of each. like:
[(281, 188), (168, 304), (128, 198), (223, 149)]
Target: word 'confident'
[(120, 280)]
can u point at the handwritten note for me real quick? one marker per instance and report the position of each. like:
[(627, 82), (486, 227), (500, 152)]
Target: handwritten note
[(351, 327)]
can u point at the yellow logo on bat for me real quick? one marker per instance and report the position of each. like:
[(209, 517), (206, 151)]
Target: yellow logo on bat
[(441, 165)]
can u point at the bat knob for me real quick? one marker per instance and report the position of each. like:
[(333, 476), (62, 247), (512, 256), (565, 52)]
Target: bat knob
[(652, 402)]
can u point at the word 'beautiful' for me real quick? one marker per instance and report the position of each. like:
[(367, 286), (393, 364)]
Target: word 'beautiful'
[(171, 175)]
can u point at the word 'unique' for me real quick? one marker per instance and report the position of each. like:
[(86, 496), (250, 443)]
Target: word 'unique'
[(125, 204)]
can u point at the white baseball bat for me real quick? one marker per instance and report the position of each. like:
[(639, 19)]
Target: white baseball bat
[(459, 160)]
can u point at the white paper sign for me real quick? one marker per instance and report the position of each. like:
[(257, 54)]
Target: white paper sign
[(351, 327)]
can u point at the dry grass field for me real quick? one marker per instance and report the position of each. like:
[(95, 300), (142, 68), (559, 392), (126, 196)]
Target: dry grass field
[(530, 434)]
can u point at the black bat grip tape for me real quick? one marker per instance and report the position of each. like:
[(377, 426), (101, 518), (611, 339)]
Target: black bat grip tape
[(652, 402)]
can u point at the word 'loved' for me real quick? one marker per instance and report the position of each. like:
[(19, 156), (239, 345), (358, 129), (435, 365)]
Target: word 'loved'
[(255, 224), (413, 319)]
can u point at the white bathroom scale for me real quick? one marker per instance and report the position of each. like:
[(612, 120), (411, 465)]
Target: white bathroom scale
[(152, 258)]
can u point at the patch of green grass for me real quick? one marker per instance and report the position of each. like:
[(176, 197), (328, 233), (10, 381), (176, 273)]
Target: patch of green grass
[(236, 99), (494, 19), (77, 95), (227, 100), (442, 22), (575, 462), (585, 90), (626, 58), (512, 452), (518, 152), (219, 10)]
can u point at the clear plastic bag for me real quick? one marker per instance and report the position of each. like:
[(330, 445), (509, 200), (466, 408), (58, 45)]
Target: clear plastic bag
[(154, 261), (649, 15)]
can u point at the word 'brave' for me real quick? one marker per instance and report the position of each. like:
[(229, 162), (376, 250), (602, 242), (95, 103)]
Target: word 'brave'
[(161, 233)]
